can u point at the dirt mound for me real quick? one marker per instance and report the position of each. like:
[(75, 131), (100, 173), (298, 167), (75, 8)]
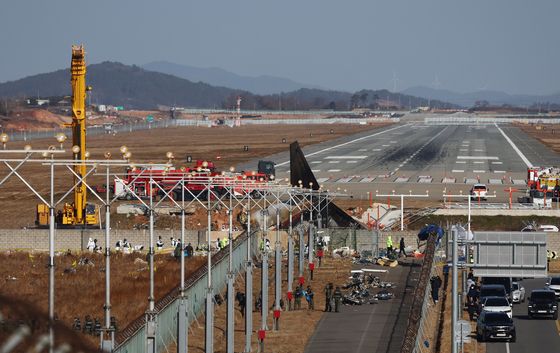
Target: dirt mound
[(34, 119)]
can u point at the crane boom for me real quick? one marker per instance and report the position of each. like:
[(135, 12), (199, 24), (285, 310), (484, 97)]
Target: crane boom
[(78, 82), (79, 213)]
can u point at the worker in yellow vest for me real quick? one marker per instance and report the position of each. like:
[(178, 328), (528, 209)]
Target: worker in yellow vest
[(389, 245)]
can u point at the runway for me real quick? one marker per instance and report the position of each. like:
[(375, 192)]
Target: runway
[(417, 157)]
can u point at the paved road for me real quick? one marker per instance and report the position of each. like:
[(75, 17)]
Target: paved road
[(375, 328), (418, 157), (533, 335)]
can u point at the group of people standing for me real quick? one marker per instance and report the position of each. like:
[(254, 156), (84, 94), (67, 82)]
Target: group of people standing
[(333, 298)]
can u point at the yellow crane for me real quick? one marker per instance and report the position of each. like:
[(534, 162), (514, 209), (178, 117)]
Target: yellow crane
[(79, 213)]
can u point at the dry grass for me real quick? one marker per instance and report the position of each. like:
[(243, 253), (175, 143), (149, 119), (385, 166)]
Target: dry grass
[(296, 327), (18, 203), (549, 135), (24, 277), (445, 342)]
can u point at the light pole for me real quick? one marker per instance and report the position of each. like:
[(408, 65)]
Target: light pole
[(402, 197)]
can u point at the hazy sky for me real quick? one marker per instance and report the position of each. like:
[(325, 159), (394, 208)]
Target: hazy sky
[(509, 45)]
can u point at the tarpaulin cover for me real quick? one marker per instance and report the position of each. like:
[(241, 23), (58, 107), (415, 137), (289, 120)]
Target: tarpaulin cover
[(431, 228)]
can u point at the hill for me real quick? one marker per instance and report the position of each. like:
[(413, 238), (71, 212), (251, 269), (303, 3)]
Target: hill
[(119, 84), (215, 76), (470, 99), (136, 88)]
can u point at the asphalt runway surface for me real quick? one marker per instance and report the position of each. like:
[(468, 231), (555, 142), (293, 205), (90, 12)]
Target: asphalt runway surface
[(542, 334), (414, 158), (372, 328)]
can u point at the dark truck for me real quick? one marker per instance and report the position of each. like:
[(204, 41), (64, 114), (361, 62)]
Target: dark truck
[(542, 302)]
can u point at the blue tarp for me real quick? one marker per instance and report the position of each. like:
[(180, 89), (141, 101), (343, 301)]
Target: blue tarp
[(429, 229)]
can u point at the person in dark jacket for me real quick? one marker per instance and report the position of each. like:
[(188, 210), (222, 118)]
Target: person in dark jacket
[(241, 300), (337, 298), (435, 283), (298, 293), (328, 297), (189, 250), (401, 248), (309, 296)]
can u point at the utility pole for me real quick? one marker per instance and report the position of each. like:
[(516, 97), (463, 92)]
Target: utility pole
[(209, 340), (454, 297), (264, 272), (248, 281), (277, 268), (290, 256), (107, 343), (230, 310), (151, 322), (182, 311), (51, 260)]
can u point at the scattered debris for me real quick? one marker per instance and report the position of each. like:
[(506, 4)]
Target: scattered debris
[(344, 251)]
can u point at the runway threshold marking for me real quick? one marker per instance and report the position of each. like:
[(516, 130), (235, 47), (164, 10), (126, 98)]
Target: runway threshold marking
[(478, 157), (519, 153), (347, 143), (346, 157)]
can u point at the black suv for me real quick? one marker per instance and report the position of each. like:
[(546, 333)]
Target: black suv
[(494, 325), (543, 302)]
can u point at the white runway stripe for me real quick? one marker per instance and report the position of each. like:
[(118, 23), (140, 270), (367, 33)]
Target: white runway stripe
[(478, 157), (345, 157)]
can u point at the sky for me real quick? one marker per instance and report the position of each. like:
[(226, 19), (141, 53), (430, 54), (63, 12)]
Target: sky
[(505, 45)]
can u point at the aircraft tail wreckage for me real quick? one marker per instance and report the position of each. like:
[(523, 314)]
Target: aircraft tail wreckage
[(300, 170)]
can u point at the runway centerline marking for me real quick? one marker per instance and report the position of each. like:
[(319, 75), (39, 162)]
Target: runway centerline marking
[(333, 170), (519, 153), (420, 149)]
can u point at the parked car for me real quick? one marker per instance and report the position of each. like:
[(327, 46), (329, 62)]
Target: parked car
[(495, 325), (492, 290), (496, 304), (479, 191), (517, 293), (553, 284), (505, 281), (542, 302)]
